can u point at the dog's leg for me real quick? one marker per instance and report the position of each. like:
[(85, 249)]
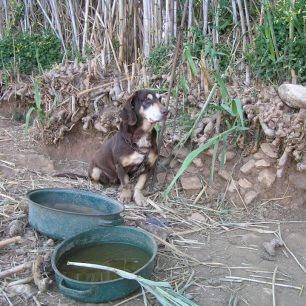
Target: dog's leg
[(139, 198), (125, 190)]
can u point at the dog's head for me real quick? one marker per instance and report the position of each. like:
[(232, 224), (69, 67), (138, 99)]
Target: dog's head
[(143, 105)]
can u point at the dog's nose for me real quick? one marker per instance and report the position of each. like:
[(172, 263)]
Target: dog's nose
[(164, 111)]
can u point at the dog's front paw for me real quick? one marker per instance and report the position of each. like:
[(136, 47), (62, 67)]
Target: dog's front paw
[(125, 195), (139, 198)]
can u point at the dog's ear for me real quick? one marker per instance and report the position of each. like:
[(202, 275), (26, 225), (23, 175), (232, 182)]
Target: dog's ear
[(128, 114)]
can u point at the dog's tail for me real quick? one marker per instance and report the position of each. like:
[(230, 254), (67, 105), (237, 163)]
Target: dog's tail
[(71, 175)]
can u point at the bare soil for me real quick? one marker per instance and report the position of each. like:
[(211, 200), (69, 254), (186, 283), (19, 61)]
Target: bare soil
[(220, 238)]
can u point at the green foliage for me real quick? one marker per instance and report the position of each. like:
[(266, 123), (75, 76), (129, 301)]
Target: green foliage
[(29, 52), (37, 108), (273, 54), (199, 42), (158, 58)]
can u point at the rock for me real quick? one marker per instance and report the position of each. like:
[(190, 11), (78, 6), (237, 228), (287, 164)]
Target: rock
[(250, 196), (272, 245), (244, 183), (248, 166), (198, 162), (192, 169), (191, 183), (293, 95), (269, 149), (15, 228), (161, 178), (209, 152), (259, 155), (197, 217), (229, 155), (262, 163), (192, 100), (267, 177), (160, 232), (173, 163), (181, 154), (298, 180), (232, 186), (224, 174)]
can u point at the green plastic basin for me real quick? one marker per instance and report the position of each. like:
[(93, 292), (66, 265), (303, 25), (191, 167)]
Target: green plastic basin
[(98, 292), (62, 213)]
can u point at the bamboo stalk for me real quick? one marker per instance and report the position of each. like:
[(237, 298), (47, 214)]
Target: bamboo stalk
[(146, 42), (179, 46)]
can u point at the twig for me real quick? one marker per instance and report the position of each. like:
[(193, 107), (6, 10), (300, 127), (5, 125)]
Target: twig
[(21, 281), (240, 279), (9, 241), (7, 197), (36, 301), (179, 46), (178, 252), (273, 286), (292, 254), (16, 269)]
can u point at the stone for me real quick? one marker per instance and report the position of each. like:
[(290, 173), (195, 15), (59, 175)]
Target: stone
[(259, 155), (232, 186), (298, 180), (244, 183), (161, 178), (181, 154), (262, 163), (229, 155), (192, 100), (248, 166), (198, 162), (269, 149), (224, 174), (197, 217), (191, 182), (266, 177), (192, 169), (173, 163), (209, 152), (250, 196), (293, 95)]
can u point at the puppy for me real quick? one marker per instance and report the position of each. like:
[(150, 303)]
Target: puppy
[(132, 151)]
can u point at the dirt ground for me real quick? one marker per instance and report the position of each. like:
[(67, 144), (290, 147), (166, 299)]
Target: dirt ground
[(210, 240)]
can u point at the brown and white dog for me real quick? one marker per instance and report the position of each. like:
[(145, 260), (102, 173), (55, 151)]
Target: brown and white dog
[(132, 151)]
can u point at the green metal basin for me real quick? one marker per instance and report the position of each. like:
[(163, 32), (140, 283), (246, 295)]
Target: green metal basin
[(98, 292), (62, 213)]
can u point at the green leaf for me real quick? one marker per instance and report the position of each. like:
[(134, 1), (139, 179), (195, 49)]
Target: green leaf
[(190, 61), (192, 155), (28, 117)]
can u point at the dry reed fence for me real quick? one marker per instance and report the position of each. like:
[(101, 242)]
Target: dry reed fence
[(119, 30)]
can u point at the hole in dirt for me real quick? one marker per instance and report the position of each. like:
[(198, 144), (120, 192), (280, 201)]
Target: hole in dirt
[(77, 145)]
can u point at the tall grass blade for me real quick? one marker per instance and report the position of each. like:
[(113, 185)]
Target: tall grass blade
[(28, 117), (192, 155), (190, 61)]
